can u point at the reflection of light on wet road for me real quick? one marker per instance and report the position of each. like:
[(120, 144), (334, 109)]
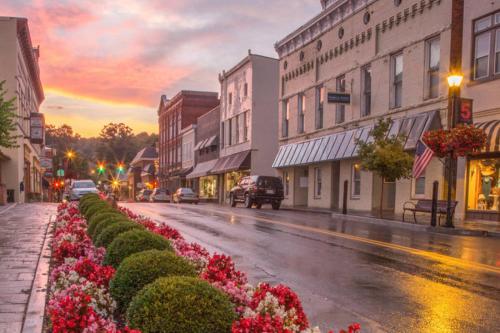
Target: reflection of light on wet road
[(232, 220), (427, 254)]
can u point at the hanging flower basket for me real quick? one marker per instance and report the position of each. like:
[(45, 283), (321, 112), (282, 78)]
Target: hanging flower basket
[(460, 141)]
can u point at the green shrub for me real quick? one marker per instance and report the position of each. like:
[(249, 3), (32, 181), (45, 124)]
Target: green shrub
[(131, 242), (84, 204), (97, 207), (180, 304), (106, 223), (88, 204), (110, 231), (140, 269), (87, 197), (99, 217)]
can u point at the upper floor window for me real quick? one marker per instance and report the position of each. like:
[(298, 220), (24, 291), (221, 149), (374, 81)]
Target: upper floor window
[(340, 108), (487, 47), (301, 108), (432, 60), (285, 118), (396, 80), (245, 89), (230, 98), (320, 101), (366, 86)]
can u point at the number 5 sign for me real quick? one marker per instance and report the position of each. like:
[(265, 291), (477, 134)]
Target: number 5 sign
[(464, 114)]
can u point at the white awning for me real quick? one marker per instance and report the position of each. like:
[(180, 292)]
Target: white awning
[(492, 130), (202, 169)]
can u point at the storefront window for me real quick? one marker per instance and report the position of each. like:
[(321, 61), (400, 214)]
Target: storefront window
[(232, 178), (208, 187), (484, 185)]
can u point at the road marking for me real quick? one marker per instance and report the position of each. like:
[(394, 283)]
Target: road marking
[(418, 252)]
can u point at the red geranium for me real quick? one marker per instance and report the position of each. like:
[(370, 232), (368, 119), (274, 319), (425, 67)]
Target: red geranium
[(461, 140), (220, 268)]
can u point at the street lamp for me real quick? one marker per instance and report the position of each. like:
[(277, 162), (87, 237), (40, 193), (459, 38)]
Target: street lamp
[(69, 155), (454, 82)]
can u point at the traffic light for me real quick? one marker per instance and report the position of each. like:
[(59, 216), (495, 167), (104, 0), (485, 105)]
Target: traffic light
[(101, 168), (120, 168)]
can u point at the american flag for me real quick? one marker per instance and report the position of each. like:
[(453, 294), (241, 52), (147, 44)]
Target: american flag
[(423, 155)]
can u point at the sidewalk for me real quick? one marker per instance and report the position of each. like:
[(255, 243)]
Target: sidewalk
[(467, 228), (23, 236)]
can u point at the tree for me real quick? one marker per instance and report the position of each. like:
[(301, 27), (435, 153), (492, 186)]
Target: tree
[(385, 155), (116, 143), (8, 117)]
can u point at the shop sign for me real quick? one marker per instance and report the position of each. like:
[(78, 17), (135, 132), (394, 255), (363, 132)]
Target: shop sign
[(464, 114), (339, 98), (46, 162), (37, 128)]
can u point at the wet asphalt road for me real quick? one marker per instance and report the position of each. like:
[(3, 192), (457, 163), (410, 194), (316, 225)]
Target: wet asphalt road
[(387, 279)]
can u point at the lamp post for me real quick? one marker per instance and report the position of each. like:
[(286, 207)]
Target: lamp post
[(69, 155), (454, 82)]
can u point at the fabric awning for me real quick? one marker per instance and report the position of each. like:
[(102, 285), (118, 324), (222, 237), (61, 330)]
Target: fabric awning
[(343, 145), (238, 161), (200, 144), (212, 141), (148, 170), (492, 130), (202, 169), (182, 172)]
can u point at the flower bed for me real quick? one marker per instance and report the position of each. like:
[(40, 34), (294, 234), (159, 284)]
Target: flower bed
[(80, 298)]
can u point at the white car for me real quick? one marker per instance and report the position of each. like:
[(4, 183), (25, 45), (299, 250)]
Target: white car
[(79, 188), (160, 195)]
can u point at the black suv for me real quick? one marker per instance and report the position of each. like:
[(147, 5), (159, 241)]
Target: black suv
[(257, 190)]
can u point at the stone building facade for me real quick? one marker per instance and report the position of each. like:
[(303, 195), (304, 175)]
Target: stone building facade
[(248, 121), (389, 59), (173, 115), (20, 170)]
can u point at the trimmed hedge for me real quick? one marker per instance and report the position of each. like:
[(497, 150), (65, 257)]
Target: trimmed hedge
[(106, 223), (110, 231), (85, 204), (97, 207), (100, 217), (131, 242), (142, 268), (180, 304)]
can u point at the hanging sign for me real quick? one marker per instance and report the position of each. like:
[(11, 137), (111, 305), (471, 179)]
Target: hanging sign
[(37, 128), (340, 98)]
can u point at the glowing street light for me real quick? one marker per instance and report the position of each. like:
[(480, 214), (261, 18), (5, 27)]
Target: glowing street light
[(455, 80), (70, 154)]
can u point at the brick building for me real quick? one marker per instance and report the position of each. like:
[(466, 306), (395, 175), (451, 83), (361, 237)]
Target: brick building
[(173, 115)]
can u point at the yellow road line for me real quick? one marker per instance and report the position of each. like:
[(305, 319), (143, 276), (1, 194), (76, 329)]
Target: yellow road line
[(427, 254)]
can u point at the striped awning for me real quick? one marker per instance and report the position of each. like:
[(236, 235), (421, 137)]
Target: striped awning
[(492, 130), (343, 145)]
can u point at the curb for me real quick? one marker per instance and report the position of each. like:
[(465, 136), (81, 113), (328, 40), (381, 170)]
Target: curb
[(35, 310), (9, 207), (417, 227)]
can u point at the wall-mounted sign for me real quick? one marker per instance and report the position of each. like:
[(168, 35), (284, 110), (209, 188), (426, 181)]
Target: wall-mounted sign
[(341, 98), (46, 162), (463, 113), (37, 128)]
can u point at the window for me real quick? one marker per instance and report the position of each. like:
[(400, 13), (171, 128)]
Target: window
[(230, 98), (366, 84), (301, 107), (234, 131), (420, 186), (230, 133), (223, 138), (285, 117), (317, 182), (247, 125), (245, 89), (237, 129), (487, 47), (320, 99), (356, 180), (433, 59), (286, 182), (397, 80), (340, 108)]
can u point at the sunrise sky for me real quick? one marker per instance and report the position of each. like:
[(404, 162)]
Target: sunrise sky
[(110, 60)]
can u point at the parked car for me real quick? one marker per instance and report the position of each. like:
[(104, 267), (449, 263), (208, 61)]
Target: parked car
[(160, 195), (143, 195), (185, 194), (257, 190), (79, 188)]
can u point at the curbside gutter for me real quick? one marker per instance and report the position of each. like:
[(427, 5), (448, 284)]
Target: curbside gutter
[(35, 310)]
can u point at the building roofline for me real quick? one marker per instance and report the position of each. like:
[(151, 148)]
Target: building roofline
[(182, 93), (242, 62)]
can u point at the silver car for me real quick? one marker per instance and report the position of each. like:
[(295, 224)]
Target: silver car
[(79, 188), (185, 194), (160, 195)]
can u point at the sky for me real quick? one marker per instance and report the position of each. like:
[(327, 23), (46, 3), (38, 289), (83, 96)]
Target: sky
[(110, 60)]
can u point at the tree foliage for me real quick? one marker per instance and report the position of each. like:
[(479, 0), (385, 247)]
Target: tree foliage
[(7, 120), (385, 155)]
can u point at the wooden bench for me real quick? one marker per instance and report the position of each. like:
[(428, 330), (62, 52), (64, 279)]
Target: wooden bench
[(425, 206)]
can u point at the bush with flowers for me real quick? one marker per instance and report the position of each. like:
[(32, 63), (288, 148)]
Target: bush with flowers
[(80, 300)]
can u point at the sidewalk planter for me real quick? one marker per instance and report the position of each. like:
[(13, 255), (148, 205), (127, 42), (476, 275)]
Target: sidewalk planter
[(150, 278)]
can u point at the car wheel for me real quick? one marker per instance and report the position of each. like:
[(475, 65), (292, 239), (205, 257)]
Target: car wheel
[(259, 206), (232, 202), (276, 205), (248, 201)]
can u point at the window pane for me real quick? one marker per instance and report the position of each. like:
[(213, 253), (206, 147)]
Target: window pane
[(482, 24), (497, 18), (434, 51), (497, 51), (483, 45), (433, 84), (398, 65), (420, 185)]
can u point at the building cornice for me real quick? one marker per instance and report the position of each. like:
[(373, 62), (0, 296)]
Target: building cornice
[(319, 25)]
